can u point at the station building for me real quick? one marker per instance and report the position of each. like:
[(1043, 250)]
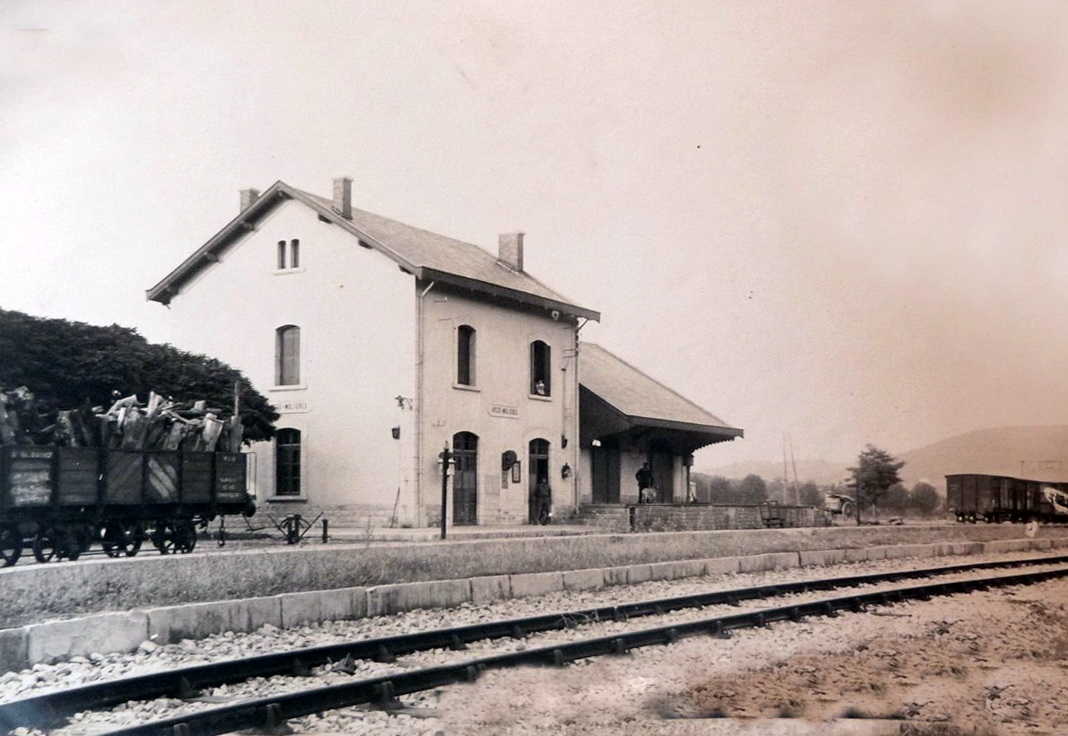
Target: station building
[(380, 344)]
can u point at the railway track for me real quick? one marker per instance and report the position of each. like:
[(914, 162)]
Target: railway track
[(53, 708)]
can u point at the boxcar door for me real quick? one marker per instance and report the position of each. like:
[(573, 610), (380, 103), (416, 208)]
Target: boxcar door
[(465, 479)]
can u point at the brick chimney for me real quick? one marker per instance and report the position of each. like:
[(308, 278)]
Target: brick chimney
[(510, 250), (343, 197), (248, 197)]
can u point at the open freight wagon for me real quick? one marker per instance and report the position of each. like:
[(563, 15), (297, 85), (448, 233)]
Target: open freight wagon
[(59, 500)]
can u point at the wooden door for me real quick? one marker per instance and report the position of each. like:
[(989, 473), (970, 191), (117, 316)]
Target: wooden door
[(538, 465), (465, 479), (663, 466), (604, 469)]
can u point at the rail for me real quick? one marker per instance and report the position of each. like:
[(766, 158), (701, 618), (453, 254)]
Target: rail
[(50, 708)]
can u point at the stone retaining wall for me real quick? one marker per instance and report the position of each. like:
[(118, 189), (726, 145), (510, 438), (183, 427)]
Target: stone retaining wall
[(697, 517), (125, 631), (35, 592)]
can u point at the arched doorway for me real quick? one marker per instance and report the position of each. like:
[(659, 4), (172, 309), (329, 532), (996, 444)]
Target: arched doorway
[(538, 463), (465, 479)]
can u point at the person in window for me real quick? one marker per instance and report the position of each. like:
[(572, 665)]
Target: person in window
[(644, 476), (543, 496), (539, 387)]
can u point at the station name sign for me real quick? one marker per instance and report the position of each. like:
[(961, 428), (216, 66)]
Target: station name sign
[(504, 410), (294, 406)]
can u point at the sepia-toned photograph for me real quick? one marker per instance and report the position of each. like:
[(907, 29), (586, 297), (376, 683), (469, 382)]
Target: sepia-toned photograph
[(533, 368)]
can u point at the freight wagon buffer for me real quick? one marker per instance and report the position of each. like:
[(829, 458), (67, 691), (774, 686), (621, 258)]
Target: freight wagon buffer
[(62, 499)]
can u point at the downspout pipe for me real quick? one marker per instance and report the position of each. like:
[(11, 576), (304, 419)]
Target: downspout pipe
[(419, 347)]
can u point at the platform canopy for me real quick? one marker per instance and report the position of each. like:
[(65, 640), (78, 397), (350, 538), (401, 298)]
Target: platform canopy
[(618, 400)]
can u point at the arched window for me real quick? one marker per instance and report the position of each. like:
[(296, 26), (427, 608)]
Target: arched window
[(465, 355), (281, 254), (287, 463), (540, 373), (287, 355)]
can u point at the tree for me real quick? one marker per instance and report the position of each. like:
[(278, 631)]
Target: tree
[(66, 364), (776, 490), (924, 498), (809, 494), (720, 490), (752, 489), (897, 498), (875, 472)]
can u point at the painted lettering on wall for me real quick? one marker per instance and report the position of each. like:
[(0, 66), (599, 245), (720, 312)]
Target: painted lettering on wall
[(293, 406), (503, 410)]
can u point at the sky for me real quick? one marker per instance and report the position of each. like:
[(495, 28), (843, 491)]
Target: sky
[(839, 220)]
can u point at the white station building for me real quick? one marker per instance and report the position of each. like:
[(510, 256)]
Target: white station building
[(380, 344)]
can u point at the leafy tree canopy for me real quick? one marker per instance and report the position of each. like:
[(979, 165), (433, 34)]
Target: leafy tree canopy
[(752, 489), (809, 494), (66, 364), (876, 470), (924, 498)]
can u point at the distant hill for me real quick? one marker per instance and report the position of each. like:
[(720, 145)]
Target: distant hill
[(1038, 453)]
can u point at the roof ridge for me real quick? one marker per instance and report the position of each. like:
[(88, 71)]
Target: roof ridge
[(488, 252), (418, 251), (661, 384)]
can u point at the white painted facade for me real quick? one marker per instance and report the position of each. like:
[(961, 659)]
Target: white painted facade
[(380, 306), (378, 350), (357, 314), (499, 408)]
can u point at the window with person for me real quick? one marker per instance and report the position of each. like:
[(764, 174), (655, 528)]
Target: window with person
[(287, 356), (540, 369), (465, 355)]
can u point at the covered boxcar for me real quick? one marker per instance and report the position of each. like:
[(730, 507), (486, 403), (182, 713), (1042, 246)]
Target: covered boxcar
[(975, 497), (62, 499)]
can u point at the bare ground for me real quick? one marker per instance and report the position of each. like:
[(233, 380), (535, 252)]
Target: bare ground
[(990, 664)]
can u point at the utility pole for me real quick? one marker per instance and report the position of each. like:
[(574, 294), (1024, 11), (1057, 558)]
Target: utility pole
[(797, 482), (446, 458), (785, 473)]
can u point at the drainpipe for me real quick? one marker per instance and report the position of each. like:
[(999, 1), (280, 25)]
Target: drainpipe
[(419, 343), (576, 472)]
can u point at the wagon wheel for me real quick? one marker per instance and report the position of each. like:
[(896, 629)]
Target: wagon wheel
[(848, 509), (185, 537), (121, 538), (164, 537), (132, 536), (44, 545), (10, 544), (69, 543)]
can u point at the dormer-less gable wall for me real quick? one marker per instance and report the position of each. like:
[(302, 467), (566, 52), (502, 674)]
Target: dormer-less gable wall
[(355, 311)]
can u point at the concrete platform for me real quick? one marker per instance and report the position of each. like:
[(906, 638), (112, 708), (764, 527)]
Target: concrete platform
[(121, 632), (33, 593)]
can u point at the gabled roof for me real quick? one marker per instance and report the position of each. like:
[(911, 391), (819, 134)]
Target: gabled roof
[(424, 254), (642, 399)]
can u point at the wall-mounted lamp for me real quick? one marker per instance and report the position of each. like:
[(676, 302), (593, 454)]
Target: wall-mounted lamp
[(565, 472), (563, 440), (396, 433)]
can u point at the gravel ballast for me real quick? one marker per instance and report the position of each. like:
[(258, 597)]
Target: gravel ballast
[(228, 645)]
